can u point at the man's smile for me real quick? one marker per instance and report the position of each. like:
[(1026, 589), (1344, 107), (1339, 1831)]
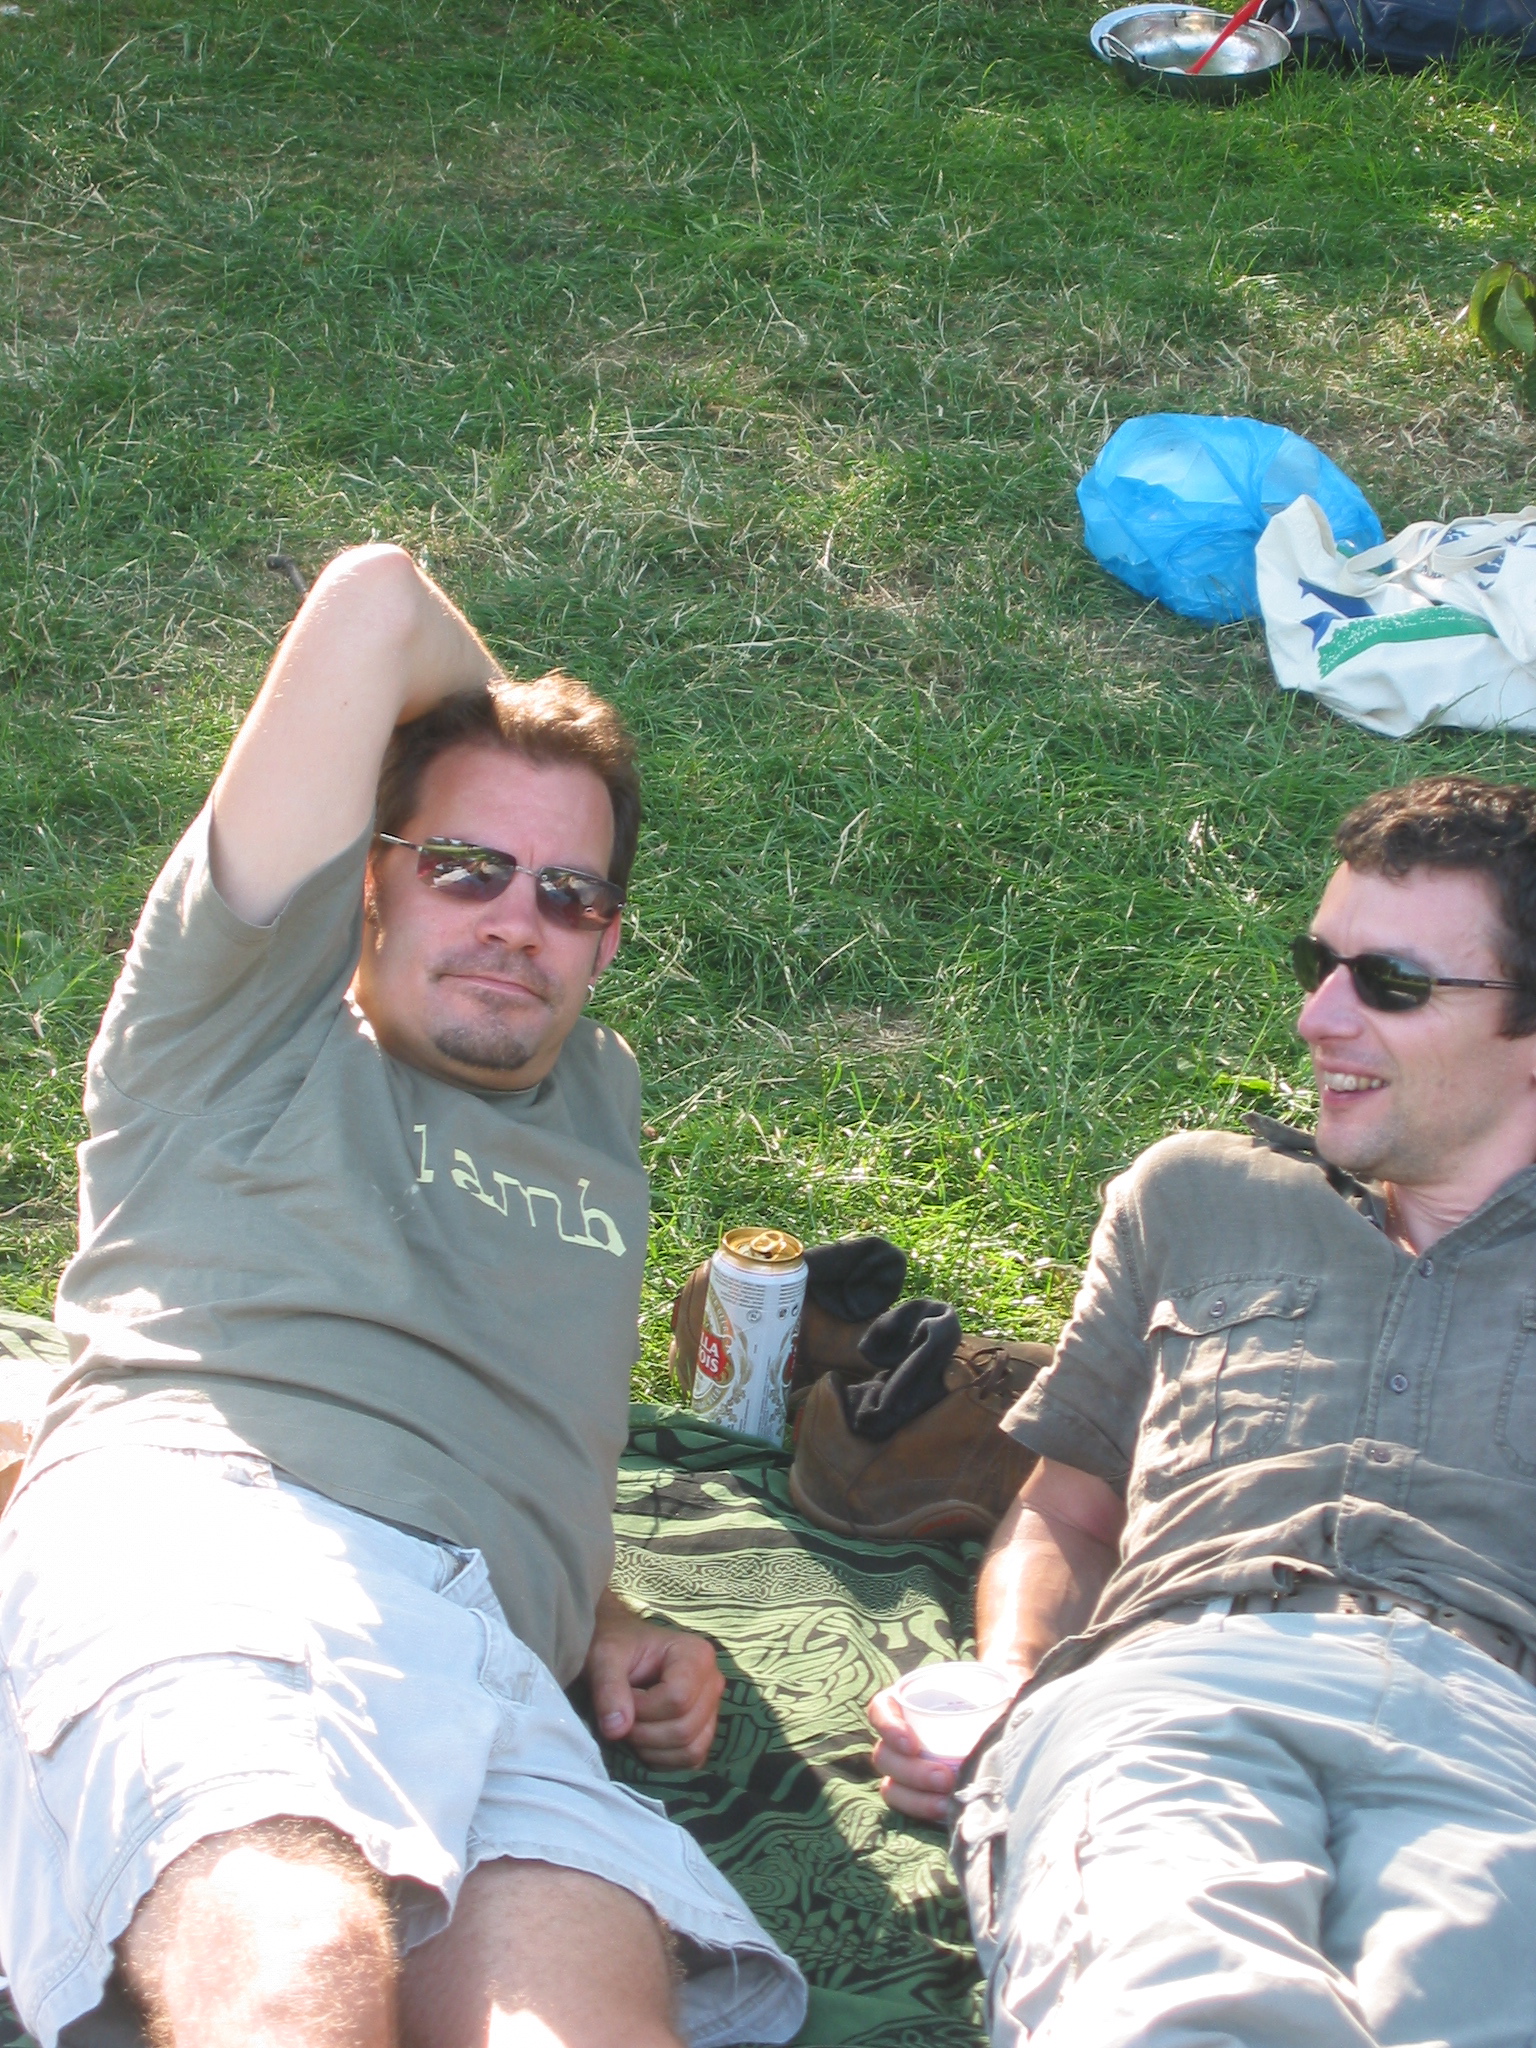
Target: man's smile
[(1349, 1084), (497, 975), (495, 984)]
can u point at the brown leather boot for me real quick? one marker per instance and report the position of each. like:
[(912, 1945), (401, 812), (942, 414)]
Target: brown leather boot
[(949, 1472), (824, 1345), (687, 1327)]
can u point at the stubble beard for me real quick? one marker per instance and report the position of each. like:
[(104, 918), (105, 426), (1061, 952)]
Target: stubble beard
[(490, 1050), (492, 1042), (1387, 1153)]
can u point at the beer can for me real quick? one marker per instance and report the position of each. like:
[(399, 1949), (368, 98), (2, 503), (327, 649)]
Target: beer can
[(751, 1320)]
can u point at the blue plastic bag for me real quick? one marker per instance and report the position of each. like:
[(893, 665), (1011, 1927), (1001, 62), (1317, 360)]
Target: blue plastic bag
[(1176, 502)]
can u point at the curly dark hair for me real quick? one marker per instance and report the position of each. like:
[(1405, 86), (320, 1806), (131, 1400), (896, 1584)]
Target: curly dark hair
[(556, 719), (1459, 822)]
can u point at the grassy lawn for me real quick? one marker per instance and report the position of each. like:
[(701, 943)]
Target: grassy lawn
[(743, 359)]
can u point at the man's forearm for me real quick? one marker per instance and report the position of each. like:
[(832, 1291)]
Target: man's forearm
[(1040, 1583), (1049, 1562)]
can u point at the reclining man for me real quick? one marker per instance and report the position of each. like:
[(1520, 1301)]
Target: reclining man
[(1274, 1577), (362, 1227)]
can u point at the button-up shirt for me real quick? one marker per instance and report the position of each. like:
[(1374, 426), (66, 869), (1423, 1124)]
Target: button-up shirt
[(1277, 1388)]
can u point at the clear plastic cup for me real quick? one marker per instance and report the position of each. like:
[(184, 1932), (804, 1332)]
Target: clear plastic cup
[(949, 1707)]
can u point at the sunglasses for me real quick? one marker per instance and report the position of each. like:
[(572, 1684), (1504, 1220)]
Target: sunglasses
[(1381, 982), (568, 897)]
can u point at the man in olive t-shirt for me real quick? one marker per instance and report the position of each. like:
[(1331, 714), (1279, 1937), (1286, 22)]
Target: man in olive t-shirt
[(1272, 1586), (320, 1518)]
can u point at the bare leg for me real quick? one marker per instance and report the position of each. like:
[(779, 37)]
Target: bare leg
[(539, 1957), (274, 1936)]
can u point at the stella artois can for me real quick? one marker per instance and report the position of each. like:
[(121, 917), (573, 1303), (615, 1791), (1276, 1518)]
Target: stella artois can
[(751, 1320)]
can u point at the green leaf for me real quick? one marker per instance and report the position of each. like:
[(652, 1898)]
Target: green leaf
[(1513, 320), (1502, 311), (1487, 287)]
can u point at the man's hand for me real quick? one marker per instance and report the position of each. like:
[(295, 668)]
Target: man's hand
[(656, 1686), (911, 1782)]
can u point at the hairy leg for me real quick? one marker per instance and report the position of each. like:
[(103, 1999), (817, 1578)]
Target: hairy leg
[(273, 1936), (540, 1957)]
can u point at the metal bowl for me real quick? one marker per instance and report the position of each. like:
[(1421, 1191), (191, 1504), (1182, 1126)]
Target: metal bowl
[(1154, 46)]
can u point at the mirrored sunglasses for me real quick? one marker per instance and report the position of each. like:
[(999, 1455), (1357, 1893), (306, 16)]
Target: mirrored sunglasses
[(479, 874)]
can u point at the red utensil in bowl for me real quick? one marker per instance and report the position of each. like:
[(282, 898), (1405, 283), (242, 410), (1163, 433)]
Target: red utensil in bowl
[(1244, 13)]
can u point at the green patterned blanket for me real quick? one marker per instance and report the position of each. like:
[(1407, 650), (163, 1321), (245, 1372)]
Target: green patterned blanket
[(808, 1626)]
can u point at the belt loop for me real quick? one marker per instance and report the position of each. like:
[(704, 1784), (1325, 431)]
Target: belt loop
[(1221, 1605)]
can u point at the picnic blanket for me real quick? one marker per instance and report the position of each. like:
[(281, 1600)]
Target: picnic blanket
[(808, 1625)]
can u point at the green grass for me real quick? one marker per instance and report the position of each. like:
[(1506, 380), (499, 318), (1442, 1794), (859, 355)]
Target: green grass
[(742, 359)]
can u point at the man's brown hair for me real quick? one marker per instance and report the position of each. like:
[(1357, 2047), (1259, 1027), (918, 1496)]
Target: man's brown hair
[(1458, 822), (554, 720)]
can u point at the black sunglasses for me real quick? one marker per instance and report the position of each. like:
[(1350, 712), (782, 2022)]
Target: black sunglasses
[(1381, 982), (479, 874)]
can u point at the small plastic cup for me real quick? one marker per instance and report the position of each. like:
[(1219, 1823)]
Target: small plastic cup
[(949, 1707)]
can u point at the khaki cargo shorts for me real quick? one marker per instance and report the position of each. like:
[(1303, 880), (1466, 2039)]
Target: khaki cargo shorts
[(192, 1643)]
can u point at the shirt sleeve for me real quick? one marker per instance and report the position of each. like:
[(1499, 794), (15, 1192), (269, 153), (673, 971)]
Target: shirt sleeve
[(205, 999), (1085, 1410)]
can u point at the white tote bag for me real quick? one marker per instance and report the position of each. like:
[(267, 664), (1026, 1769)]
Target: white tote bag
[(1435, 627)]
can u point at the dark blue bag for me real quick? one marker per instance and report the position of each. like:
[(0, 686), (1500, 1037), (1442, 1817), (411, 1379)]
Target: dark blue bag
[(1407, 34), (1176, 502)]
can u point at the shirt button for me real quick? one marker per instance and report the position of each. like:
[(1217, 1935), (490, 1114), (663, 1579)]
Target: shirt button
[(1378, 1456), (1218, 1309), (1426, 1267), (1398, 1383)]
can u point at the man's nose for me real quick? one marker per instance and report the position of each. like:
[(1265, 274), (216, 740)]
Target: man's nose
[(512, 918), (1332, 1010)]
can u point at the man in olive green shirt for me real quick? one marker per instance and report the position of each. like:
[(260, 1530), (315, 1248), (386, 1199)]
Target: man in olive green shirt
[(1272, 1587), (319, 1521)]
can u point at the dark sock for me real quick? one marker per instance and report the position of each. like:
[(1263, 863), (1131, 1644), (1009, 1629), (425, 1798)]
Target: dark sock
[(856, 1277), (910, 1347)]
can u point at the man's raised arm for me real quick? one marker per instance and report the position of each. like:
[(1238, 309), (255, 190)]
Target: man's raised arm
[(375, 643), (1050, 1560)]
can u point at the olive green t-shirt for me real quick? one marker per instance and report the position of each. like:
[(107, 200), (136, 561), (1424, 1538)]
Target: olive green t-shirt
[(419, 1299)]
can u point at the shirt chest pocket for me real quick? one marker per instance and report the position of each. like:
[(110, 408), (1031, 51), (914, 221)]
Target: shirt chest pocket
[(1225, 1360)]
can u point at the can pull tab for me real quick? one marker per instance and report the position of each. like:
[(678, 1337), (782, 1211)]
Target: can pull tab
[(766, 1247)]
